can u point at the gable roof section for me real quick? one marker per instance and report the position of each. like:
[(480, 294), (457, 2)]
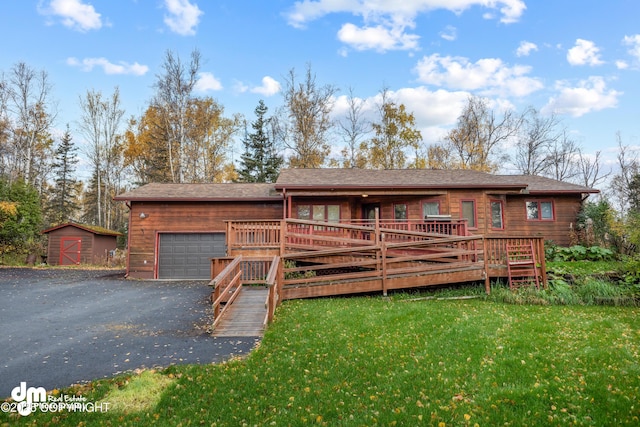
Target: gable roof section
[(201, 192), (390, 178), (541, 185), (90, 228)]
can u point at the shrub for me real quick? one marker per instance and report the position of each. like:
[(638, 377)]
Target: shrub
[(578, 253)]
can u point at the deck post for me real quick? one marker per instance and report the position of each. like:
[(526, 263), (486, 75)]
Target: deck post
[(283, 235), (383, 250), (376, 226), (215, 296), (485, 257)]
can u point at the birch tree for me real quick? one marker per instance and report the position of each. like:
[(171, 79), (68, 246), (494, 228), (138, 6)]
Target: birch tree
[(209, 134), (174, 88), (538, 135), (25, 122), (353, 128), (100, 125), (308, 108), (394, 134), (477, 141)]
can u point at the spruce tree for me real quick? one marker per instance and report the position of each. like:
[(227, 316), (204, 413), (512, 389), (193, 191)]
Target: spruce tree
[(64, 201), (260, 161)]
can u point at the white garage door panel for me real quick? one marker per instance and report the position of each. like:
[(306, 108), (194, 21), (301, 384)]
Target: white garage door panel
[(188, 255)]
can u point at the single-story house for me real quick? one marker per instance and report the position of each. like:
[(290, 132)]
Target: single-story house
[(73, 244), (175, 229)]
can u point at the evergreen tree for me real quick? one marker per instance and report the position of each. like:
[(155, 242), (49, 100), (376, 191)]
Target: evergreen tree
[(64, 198), (260, 161)]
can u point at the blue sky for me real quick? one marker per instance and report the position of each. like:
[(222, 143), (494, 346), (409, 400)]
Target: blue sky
[(577, 58)]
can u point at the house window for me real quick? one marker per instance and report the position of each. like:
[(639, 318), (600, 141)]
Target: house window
[(430, 208), (330, 213), (468, 209), (538, 210), (497, 218), (304, 212), (333, 213), (319, 212), (400, 212)]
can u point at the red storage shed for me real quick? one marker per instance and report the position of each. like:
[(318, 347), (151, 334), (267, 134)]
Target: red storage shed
[(72, 244)]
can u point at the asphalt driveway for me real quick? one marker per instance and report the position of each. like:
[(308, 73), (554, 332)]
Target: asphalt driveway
[(61, 327)]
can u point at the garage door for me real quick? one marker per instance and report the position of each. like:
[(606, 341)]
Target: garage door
[(188, 255)]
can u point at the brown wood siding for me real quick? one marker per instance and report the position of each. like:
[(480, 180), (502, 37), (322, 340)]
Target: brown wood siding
[(515, 222), (101, 247), (558, 230), (181, 217)]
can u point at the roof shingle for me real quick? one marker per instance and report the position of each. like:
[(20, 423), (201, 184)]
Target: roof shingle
[(186, 192)]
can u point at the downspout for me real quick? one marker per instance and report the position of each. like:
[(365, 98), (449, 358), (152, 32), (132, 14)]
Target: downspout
[(284, 203), (128, 205)]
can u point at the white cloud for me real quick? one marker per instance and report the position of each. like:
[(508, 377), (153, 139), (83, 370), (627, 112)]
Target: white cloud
[(269, 87), (74, 14), (526, 48), (304, 11), (183, 16), (588, 96), (490, 76), (434, 111), (385, 22), (450, 33), (438, 108), (622, 65), (88, 64), (377, 38), (634, 43), (207, 82), (585, 52)]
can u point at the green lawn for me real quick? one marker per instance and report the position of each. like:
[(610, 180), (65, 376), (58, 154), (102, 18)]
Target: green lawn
[(374, 361)]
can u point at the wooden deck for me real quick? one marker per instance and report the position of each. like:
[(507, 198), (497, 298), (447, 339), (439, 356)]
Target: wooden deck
[(246, 315), (317, 259)]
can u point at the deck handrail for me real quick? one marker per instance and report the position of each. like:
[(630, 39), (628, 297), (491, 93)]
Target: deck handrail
[(272, 282), (223, 284)]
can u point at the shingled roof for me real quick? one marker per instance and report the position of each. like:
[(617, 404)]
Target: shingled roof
[(419, 178), (389, 178), (325, 179), (201, 192), (540, 184)]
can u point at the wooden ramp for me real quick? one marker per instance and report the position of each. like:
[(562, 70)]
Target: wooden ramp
[(245, 317)]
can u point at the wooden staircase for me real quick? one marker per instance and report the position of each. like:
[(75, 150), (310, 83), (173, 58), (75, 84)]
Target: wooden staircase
[(522, 266)]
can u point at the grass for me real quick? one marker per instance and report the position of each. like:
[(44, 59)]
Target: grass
[(139, 393), (365, 361)]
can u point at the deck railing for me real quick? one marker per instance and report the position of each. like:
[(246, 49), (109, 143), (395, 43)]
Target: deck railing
[(258, 234), (226, 287), (495, 252), (356, 252), (451, 227), (268, 234)]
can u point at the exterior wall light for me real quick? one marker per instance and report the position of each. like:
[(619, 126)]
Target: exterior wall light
[(143, 215)]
